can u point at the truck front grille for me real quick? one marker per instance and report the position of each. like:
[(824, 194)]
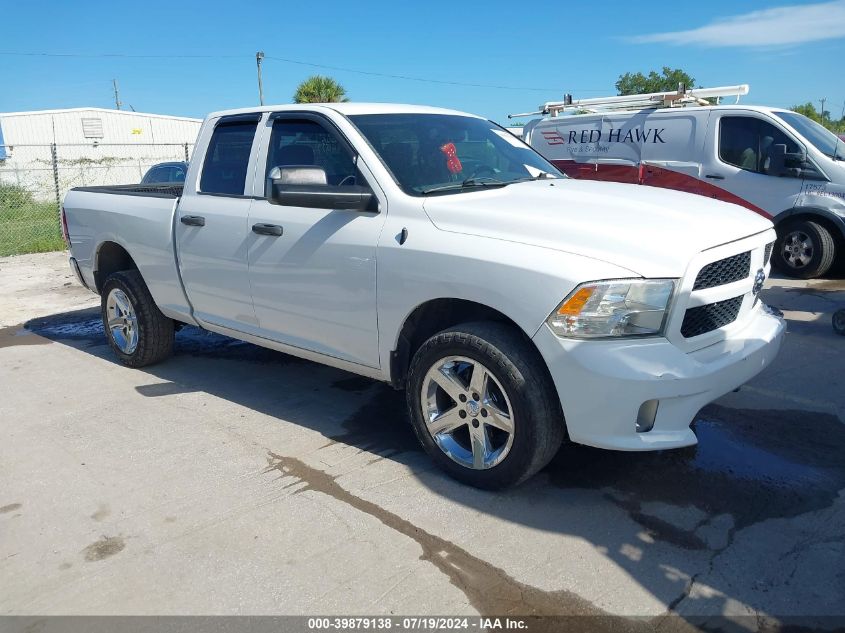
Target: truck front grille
[(706, 318), (724, 271), (768, 253)]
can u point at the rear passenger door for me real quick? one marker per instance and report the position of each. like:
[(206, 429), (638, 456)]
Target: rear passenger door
[(737, 159), (314, 284), (212, 231)]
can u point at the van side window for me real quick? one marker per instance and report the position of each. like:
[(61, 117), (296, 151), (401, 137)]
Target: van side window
[(302, 142), (227, 158), (748, 142)]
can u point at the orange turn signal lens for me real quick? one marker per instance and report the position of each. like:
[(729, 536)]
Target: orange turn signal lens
[(576, 302)]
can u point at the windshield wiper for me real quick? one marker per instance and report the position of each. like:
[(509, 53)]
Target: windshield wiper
[(543, 175), (484, 181)]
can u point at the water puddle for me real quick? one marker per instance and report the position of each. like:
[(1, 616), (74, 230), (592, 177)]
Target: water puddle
[(84, 328), (751, 464)]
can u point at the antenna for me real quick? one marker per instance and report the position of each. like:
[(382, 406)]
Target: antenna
[(669, 99)]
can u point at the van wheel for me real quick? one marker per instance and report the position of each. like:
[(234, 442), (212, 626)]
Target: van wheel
[(804, 249), (137, 331), (483, 405)]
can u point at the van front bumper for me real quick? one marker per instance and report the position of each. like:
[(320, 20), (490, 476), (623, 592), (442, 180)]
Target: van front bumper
[(603, 385)]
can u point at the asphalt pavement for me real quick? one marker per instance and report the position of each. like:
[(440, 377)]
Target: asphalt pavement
[(236, 480)]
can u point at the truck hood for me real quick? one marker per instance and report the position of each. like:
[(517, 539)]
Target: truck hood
[(651, 232)]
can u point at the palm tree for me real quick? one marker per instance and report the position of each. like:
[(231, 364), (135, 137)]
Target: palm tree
[(319, 89)]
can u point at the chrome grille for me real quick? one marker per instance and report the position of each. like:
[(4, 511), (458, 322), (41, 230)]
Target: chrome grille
[(724, 271), (706, 318)]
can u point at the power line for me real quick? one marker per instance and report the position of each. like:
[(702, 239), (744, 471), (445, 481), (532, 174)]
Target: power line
[(120, 55), (292, 61), (411, 78)]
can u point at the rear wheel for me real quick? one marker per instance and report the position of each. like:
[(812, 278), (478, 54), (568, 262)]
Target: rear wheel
[(137, 331), (804, 249), (483, 405)]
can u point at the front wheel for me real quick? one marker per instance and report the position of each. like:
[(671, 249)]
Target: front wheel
[(483, 405), (804, 249), (137, 331)]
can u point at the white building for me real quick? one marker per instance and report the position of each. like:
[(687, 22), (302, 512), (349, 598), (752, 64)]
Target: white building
[(93, 146)]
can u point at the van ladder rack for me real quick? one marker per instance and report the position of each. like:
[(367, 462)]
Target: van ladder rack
[(670, 99)]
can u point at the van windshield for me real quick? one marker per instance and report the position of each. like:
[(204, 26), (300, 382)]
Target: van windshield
[(444, 153), (823, 139)]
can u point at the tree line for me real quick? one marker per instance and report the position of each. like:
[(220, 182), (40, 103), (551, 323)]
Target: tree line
[(669, 78)]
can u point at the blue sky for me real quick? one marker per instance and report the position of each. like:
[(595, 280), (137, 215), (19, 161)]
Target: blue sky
[(788, 52)]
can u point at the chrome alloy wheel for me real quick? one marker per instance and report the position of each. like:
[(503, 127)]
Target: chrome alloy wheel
[(467, 412), (797, 249), (122, 321)]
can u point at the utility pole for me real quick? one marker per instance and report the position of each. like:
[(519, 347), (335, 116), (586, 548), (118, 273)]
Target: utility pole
[(117, 102), (258, 57), (822, 101)]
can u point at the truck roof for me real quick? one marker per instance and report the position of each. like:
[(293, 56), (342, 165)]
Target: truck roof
[(349, 108)]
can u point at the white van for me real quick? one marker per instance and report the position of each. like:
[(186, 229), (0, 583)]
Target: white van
[(775, 162)]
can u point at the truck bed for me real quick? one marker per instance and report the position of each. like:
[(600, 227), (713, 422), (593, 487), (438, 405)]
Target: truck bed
[(152, 190), (138, 219)]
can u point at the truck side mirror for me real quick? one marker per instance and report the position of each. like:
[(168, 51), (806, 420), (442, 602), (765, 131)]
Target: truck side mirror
[(307, 186), (299, 175)]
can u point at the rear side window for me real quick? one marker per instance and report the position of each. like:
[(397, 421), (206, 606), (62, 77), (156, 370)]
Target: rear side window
[(227, 158), (748, 143)]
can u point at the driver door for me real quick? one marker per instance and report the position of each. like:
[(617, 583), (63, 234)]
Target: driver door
[(313, 278), (737, 159)]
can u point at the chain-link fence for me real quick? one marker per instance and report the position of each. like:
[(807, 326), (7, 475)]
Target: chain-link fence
[(35, 178)]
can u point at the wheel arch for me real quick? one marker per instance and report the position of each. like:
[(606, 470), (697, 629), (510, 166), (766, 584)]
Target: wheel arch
[(433, 316), (111, 257), (827, 218)]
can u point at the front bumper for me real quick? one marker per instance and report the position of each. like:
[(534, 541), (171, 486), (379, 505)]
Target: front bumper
[(602, 384)]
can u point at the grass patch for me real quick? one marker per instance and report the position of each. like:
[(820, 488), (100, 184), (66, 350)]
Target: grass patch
[(31, 227), (27, 225)]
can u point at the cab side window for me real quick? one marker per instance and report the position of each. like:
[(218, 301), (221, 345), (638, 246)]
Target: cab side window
[(303, 142), (748, 143), (227, 158)]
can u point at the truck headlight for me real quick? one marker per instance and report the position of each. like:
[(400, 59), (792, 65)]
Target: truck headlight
[(614, 308)]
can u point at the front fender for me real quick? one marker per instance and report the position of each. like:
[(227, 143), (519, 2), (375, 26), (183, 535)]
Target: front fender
[(524, 283)]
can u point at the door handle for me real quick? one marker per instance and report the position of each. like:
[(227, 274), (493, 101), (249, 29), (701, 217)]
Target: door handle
[(192, 220), (267, 229), (715, 176)]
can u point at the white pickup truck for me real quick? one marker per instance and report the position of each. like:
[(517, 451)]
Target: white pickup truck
[(433, 250)]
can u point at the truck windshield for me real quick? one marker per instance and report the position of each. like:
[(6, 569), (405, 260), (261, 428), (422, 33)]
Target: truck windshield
[(823, 139), (442, 153)]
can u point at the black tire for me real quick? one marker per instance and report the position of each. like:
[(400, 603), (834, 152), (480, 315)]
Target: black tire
[(838, 322), (538, 423), (155, 331), (822, 244)]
